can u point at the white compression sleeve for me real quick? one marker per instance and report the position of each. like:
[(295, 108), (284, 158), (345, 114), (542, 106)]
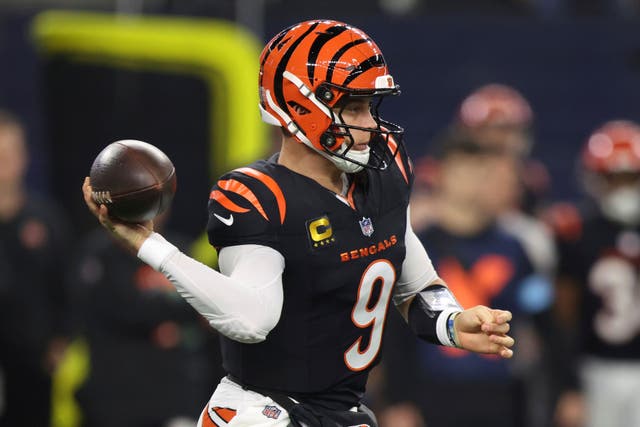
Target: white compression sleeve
[(417, 268), (243, 304)]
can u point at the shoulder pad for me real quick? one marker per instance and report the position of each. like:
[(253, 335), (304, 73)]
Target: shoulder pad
[(246, 205)]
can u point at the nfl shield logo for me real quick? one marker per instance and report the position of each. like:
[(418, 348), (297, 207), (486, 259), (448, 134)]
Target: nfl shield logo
[(366, 226), (271, 411)]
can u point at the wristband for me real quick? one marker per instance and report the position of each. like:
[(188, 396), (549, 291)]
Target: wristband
[(430, 312), (451, 330), (442, 327)]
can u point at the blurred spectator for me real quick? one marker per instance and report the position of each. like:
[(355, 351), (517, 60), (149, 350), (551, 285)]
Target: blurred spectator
[(499, 118), (152, 357), (482, 264), (598, 293), (34, 238)]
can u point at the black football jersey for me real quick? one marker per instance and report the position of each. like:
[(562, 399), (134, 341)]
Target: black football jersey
[(605, 262), (341, 263)]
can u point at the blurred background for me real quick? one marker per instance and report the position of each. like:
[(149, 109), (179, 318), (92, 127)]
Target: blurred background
[(79, 74), (576, 61)]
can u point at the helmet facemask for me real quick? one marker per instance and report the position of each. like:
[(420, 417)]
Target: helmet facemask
[(610, 170), (338, 140)]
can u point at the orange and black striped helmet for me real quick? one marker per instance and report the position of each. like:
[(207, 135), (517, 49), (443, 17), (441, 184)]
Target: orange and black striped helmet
[(613, 148), (610, 170), (496, 105), (305, 73)]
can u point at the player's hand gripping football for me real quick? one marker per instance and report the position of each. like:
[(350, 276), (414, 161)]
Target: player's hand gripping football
[(484, 330), (132, 235)]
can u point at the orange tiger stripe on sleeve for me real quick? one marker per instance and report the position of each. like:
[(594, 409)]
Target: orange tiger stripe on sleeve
[(242, 190), (271, 185), (224, 201)]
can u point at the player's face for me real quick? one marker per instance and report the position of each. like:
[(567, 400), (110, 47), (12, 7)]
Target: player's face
[(615, 181), (357, 112), (468, 180), (619, 197), (502, 185)]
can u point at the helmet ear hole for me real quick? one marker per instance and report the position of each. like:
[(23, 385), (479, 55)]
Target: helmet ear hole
[(324, 94), (328, 140)]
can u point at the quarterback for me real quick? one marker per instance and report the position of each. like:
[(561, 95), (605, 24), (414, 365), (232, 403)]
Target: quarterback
[(314, 244)]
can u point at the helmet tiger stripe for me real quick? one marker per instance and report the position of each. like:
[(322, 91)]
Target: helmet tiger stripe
[(307, 70)]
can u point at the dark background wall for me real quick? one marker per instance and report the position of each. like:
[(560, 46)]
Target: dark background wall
[(577, 71)]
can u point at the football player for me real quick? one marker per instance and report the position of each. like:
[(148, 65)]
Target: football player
[(500, 118), (598, 281), (314, 244)]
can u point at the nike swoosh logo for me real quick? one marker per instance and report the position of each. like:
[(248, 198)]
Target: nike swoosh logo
[(225, 221)]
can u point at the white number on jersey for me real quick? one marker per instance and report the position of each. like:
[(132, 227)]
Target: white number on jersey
[(615, 280), (380, 271)]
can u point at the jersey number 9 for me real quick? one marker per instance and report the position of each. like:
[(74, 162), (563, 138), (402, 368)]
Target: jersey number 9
[(365, 314)]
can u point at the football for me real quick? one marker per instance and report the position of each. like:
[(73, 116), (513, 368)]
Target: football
[(134, 179)]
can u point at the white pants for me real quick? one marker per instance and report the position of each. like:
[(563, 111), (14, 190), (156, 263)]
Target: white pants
[(231, 405), (612, 391)]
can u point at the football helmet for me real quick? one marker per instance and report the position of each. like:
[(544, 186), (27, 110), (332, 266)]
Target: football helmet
[(610, 161), (613, 148), (495, 105), (308, 72)]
